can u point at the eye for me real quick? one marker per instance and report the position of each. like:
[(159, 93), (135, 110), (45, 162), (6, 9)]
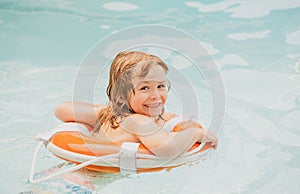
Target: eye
[(144, 88), (162, 86)]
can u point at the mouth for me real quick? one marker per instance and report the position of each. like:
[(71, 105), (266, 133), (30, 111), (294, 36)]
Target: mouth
[(153, 105)]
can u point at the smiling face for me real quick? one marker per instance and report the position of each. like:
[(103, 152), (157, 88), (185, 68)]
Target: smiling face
[(137, 84), (150, 91)]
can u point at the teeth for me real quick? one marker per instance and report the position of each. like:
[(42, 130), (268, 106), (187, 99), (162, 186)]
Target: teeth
[(153, 105)]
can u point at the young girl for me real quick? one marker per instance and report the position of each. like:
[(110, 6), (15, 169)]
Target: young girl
[(137, 93)]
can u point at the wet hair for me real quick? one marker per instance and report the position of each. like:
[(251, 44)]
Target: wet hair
[(120, 87)]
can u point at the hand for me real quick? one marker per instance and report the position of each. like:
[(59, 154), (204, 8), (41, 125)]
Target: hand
[(210, 137)]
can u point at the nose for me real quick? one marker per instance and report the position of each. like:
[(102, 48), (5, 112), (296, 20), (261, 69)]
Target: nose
[(154, 94)]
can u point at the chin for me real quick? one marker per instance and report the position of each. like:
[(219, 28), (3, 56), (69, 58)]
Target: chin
[(154, 114)]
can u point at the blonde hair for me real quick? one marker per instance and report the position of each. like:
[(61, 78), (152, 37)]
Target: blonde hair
[(120, 87)]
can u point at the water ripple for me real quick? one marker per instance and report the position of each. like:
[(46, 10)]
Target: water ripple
[(12, 6)]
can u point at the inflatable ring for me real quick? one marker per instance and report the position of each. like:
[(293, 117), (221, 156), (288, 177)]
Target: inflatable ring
[(72, 142)]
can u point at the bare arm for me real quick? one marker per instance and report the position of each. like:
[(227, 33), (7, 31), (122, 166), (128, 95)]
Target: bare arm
[(159, 142), (78, 112)]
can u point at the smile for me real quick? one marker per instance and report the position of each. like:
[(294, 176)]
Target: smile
[(154, 105)]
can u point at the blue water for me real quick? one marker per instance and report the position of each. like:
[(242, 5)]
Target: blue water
[(254, 44)]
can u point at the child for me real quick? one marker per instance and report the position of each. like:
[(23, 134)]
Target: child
[(137, 93)]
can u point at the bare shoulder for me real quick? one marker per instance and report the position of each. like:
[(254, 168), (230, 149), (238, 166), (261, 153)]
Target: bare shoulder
[(137, 120), (137, 123)]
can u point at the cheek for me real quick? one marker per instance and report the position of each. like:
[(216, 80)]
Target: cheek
[(135, 101), (164, 97)]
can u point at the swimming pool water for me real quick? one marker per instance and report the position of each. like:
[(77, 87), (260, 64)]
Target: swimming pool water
[(255, 45)]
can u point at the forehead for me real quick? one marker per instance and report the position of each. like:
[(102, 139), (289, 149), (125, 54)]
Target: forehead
[(154, 73)]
